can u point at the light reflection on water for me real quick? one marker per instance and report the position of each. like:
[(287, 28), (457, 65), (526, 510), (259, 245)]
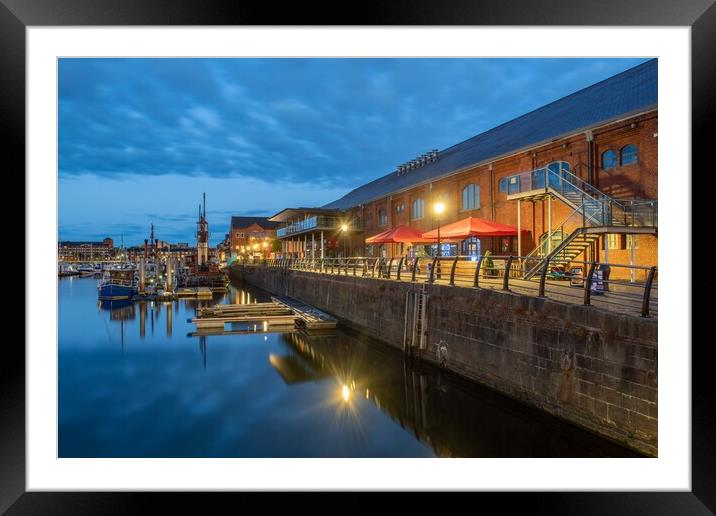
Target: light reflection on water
[(134, 383)]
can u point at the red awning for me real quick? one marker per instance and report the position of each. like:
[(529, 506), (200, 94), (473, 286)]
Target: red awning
[(472, 226), (398, 235)]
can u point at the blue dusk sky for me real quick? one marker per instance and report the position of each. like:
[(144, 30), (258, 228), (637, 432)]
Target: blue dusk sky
[(141, 139)]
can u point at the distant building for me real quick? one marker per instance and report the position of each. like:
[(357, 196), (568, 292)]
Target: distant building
[(182, 252), (179, 252), (313, 232), (223, 249), (251, 237), (85, 251)]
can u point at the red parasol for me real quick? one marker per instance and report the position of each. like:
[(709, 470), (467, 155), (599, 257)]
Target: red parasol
[(472, 226), (398, 235)]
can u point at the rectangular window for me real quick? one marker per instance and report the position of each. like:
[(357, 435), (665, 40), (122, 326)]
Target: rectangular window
[(632, 240), (508, 245), (417, 209), (616, 241), (513, 185), (382, 217)]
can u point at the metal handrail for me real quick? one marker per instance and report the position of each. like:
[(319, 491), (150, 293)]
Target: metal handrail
[(639, 297)]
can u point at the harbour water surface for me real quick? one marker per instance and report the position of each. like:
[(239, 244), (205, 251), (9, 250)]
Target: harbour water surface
[(134, 382)]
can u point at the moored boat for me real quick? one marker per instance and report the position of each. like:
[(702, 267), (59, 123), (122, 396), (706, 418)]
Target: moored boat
[(66, 269), (118, 284), (86, 270)]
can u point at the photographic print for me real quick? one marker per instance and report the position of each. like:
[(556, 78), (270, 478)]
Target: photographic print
[(258, 255), (357, 257)]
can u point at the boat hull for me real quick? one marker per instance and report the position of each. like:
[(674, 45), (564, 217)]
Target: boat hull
[(111, 291)]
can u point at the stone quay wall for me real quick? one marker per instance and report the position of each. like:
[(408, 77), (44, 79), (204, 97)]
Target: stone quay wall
[(594, 368)]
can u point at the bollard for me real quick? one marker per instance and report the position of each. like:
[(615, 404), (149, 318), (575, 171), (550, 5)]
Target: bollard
[(543, 277), (476, 280), (647, 292), (506, 279), (432, 270), (588, 284), (380, 267), (452, 272)]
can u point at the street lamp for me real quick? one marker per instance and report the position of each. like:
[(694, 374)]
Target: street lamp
[(344, 230), (439, 208)]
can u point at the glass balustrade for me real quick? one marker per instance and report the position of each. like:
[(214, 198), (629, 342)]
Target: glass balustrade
[(315, 222)]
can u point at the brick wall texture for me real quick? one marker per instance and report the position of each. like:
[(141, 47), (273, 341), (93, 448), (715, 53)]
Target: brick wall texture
[(638, 180)]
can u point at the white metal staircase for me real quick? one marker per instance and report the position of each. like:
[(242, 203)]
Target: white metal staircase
[(594, 213)]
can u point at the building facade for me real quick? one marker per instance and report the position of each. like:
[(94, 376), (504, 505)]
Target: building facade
[(251, 238), (315, 233), (581, 173), (72, 251)]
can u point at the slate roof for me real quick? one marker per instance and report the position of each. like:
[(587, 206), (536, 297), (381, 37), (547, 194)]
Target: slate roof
[(629, 92), (244, 222)]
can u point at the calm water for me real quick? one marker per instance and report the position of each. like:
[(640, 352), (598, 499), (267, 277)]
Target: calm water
[(133, 382)]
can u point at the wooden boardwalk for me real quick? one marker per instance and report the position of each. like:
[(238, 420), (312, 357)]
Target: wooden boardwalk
[(281, 312)]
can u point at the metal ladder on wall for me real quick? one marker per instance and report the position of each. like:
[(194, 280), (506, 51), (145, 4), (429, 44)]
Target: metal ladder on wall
[(415, 327)]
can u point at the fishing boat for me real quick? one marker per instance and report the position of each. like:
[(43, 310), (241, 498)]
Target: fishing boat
[(118, 284)]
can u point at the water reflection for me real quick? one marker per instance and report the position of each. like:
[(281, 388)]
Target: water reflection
[(119, 310), (456, 418), (334, 393), (202, 349)]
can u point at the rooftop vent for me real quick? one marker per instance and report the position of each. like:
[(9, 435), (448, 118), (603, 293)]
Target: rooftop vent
[(420, 161)]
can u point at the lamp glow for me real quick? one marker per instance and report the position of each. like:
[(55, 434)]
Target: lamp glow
[(439, 208)]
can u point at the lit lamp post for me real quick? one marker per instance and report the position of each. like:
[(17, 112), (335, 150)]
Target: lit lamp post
[(439, 208), (344, 231)]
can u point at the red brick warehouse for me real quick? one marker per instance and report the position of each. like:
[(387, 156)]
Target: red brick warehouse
[(580, 172)]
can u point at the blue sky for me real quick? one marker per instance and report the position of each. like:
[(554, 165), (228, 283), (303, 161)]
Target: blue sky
[(141, 139)]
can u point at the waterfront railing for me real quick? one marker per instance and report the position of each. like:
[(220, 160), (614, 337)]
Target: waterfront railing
[(629, 289)]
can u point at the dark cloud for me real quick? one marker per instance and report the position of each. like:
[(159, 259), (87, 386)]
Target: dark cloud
[(141, 139), (334, 122)]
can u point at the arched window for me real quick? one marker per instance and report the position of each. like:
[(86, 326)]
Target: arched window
[(609, 159), (418, 206), (382, 217), (502, 185), (630, 154), (471, 197)]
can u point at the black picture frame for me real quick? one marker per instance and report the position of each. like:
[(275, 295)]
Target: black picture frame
[(700, 15)]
